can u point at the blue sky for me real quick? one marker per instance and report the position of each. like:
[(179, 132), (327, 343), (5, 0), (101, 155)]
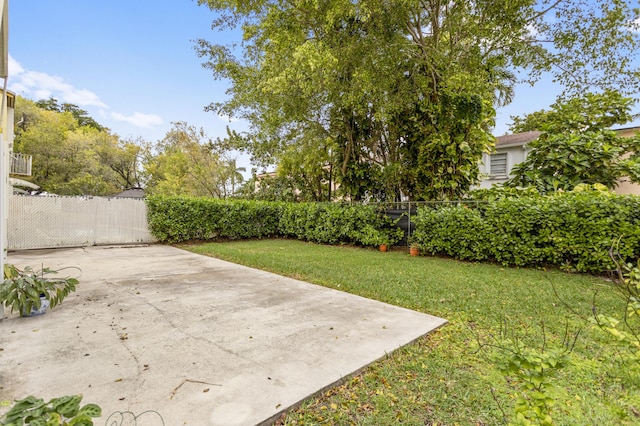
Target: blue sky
[(132, 66), (129, 63)]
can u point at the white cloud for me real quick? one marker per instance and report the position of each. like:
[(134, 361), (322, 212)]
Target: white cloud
[(14, 67), (635, 25), (138, 119), (40, 85)]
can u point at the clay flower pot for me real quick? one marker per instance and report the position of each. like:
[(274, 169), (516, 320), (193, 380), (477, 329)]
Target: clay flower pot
[(414, 251), (383, 247)]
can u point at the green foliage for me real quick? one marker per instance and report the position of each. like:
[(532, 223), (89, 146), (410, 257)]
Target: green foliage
[(443, 163), (270, 188), (175, 219), (21, 289), (572, 230), (331, 223), (577, 147), (62, 411), (499, 191), (402, 93), (531, 371), (188, 162), (371, 236), (73, 155), (81, 116), (625, 328), (451, 230), (585, 112)]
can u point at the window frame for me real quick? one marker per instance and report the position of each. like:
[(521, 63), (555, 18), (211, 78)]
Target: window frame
[(504, 169)]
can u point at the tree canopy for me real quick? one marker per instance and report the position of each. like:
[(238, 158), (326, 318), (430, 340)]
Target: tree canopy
[(577, 145), (73, 155), (82, 117), (67, 155), (399, 97), (187, 162)]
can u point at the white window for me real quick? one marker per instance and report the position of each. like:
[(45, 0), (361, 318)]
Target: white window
[(498, 164)]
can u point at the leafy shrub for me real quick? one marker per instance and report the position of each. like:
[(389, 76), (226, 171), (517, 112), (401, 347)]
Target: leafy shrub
[(332, 223), (21, 290), (452, 230), (625, 328), (175, 219), (572, 230), (63, 411)]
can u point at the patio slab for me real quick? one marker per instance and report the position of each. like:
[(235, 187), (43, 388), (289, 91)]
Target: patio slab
[(192, 339)]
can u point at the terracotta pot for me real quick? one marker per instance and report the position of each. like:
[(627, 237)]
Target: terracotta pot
[(413, 251), (383, 247)]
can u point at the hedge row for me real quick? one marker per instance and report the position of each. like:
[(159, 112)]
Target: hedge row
[(176, 219), (572, 230)]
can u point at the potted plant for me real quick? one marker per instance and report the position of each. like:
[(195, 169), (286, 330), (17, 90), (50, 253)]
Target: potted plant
[(63, 411), (383, 237), (414, 247), (32, 292)]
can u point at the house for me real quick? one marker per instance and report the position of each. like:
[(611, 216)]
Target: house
[(512, 149), (130, 193)]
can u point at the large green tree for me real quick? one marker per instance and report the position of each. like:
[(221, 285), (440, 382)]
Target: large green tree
[(577, 144), (82, 116), (188, 162), (72, 157), (402, 92)]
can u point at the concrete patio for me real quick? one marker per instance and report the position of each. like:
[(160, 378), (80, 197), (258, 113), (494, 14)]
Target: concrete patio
[(192, 339)]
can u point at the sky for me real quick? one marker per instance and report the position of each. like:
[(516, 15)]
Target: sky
[(130, 63), (132, 66)]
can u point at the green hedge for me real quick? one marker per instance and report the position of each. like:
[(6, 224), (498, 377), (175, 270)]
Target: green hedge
[(572, 230), (176, 219), (332, 223)]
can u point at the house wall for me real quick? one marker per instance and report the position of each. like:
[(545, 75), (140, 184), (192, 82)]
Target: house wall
[(49, 222), (518, 153), (515, 154), (624, 185)]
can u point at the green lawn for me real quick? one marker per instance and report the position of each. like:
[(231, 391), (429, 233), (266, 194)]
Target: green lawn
[(443, 379)]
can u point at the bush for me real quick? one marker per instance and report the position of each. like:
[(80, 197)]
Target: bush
[(176, 219), (456, 231), (573, 230), (331, 223)]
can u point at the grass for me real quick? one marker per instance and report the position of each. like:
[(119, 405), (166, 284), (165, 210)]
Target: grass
[(445, 378)]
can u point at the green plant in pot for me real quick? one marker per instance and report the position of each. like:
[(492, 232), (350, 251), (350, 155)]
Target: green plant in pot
[(414, 246), (30, 292)]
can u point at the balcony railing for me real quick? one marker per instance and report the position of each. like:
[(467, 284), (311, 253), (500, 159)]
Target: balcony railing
[(20, 164)]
